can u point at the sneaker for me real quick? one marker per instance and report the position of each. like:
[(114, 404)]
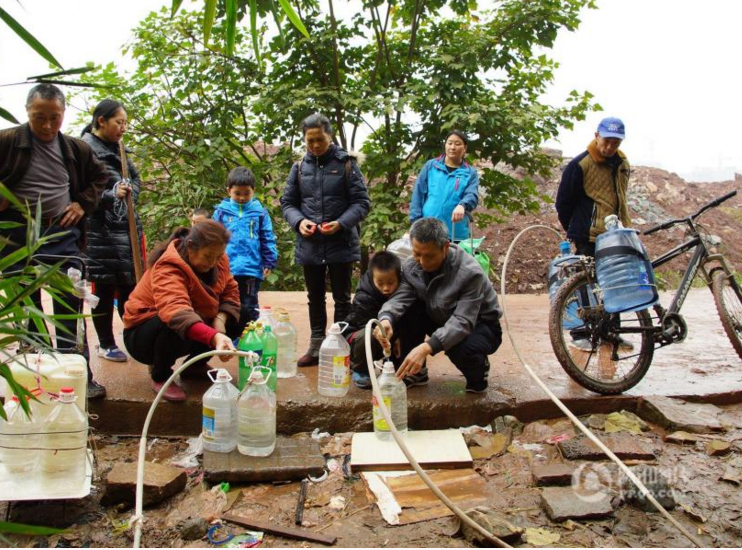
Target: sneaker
[(112, 354), (95, 390), (582, 344), (478, 387), (419, 379), (174, 392), (362, 381)]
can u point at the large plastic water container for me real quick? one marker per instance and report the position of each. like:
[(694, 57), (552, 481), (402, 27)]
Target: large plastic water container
[(265, 316), (219, 418), (256, 410), (64, 440), (556, 278), (623, 269), (287, 343), (50, 371), (394, 394), (269, 358), (333, 379), (19, 439)]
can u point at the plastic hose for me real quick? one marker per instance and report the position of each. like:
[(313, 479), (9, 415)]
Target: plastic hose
[(584, 429), (138, 517), (400, 441)]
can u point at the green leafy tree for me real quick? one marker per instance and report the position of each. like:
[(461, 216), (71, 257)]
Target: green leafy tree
[(401, 73)]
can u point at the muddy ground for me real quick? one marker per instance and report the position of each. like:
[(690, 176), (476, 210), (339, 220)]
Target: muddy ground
[(709, 506)]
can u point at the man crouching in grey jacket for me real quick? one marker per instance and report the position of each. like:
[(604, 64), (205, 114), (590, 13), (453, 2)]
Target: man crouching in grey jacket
[(455, 305)]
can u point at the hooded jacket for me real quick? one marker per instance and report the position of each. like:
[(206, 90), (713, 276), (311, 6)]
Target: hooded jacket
[(322, 193), (437, 192), (171, 290), (593, 187), (458, 298), (366, 304), (109, 247), (252, 246)]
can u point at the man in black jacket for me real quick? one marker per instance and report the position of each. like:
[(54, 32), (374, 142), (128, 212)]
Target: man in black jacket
[(39, 164)]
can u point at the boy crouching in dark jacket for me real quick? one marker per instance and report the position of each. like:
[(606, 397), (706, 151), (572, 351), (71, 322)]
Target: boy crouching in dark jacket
[(376, 286)]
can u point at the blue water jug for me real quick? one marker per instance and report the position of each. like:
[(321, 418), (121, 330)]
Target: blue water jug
[(556, 277), (623, 269)]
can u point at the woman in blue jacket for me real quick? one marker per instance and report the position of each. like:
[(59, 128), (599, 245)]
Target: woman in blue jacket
[(324, 201), (447, 188)]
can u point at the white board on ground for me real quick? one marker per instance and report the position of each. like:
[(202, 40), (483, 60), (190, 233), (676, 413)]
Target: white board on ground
[(444, 449)]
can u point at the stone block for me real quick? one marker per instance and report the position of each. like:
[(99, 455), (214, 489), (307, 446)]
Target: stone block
[(160, 482), (653, 480), (292, 459), (624, 445), (676, 414), (553, 474), (563, 503)]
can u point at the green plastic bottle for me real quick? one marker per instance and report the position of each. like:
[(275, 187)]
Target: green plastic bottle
[(269, 358), (250, 341)]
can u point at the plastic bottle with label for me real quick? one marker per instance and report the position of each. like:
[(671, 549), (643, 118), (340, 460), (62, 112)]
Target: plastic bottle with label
[(333, 378), (19, 439), (65, 444), (286, 335), (256, 412), (623, 269), (250, 341), (219, 418), (394, 394), (270, 356)]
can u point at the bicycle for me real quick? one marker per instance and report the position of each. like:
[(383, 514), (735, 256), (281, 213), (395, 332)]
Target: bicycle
[(610, 353)]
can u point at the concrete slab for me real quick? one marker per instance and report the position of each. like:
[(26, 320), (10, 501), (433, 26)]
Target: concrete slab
[(624, 445), (563, 503), (676, 414), (703, 368), (293, 459)]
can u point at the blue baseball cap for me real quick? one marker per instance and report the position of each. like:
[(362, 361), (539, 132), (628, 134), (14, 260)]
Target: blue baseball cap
[(611, 127)]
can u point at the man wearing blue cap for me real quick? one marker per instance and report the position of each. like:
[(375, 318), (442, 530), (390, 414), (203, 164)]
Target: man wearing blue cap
[(594, 185)]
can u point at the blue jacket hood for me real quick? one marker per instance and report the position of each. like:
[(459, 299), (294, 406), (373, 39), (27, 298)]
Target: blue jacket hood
[(231, 207)]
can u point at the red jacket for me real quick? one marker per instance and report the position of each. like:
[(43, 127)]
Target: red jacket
[(173, 291)]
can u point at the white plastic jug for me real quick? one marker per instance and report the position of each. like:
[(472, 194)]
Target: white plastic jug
[(394, 394), (52, 371), (64, 440), (19, 440), (333, 378), (256, 411), (219, 418), (286, 335)]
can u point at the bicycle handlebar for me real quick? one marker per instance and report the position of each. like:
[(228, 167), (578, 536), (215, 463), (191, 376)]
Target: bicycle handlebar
[(713, 204)]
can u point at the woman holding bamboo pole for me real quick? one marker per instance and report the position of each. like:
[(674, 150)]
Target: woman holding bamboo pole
[(109, 237)]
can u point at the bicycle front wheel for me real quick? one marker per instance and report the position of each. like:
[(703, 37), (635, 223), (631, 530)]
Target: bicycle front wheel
[(727, 297), (603, 352)]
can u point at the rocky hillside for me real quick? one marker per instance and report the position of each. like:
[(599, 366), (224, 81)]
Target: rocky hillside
[(654, 196)]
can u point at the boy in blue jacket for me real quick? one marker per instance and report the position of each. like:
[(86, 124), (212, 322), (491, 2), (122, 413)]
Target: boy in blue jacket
[(252, 248)]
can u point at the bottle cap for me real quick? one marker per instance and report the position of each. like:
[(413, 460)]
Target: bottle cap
[(388, 368), (67, 395), (223, 375), (565, 247)]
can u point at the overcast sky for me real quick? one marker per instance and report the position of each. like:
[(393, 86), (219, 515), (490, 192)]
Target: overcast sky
[(667, 67)]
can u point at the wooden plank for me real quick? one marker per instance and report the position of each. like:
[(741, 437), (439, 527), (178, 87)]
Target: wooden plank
[(286, 532), (465, 487), (434, 449)]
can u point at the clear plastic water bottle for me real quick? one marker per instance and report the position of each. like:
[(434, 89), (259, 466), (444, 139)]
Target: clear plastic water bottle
[(19, 439), (219, 419), (623, 269), (250, 341), (65, 455), (256, 410), (333, 379), (286, 335), (265, 317), (270, 356), (394, 394), (556, 278)]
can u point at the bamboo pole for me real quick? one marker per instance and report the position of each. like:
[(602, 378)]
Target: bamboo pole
[(136, 250)]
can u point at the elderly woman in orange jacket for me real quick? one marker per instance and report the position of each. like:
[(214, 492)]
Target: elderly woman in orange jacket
[(186, 303)]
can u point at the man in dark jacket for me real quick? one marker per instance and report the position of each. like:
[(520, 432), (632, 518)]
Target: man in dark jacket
[(39, 164), (324, 201), (594, 185), (458, 305)]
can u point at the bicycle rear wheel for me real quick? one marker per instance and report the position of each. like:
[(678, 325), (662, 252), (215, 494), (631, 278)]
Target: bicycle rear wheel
[(727, 293), (591, 345)]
